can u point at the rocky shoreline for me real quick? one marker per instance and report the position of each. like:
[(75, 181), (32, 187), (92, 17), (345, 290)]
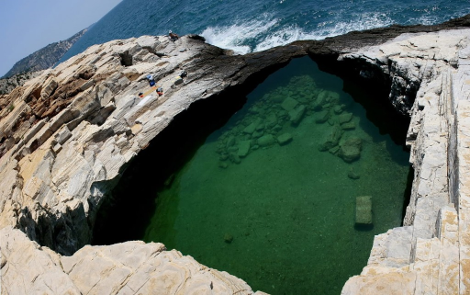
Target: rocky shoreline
[(75, 128)]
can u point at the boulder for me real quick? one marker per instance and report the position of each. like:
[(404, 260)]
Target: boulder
[(244, 148), (348, 126), (322, 117), (289, 104), (252, 127), (364, 210), (344, 118), (350, 149), (284, 138), (297, 114), (266, 140), (332, 139)]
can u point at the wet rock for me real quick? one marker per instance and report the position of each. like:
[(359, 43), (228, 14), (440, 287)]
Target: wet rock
[(297, 114), (289, 104), (332, 140), (266, 140), (364, 210), (230, 141), (344, 118), (223, 165), (271, 120), (338, 109), (348, 126), (234, 158), (244, 148), (228, 238), (353, 174), (350, 150), (252, 127), (257, 134), (322, 117), (334, 150), (284, 138)]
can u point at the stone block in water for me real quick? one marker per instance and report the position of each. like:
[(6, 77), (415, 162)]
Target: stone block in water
[(289, 104), (333, 139), (344, 118), (271, 120), (364, 210), (252, 127), (243, 148), (350, 149), (297, 114), (348, 126), (266, 140), (284, 138), (322, 117)]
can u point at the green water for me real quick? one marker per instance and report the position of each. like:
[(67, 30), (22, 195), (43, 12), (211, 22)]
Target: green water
[(282, 217)]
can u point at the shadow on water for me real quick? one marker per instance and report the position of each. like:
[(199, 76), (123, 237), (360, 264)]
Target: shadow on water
[(125, 214)]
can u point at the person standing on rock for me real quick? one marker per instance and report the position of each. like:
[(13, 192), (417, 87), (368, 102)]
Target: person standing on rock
[(172, 36)]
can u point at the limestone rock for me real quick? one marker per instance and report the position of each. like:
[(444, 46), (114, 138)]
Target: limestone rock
[(284, 138), (243, 148), (289, 104), (117, 269), (297, 114), (350, 149), (266, 140), (364, 210)]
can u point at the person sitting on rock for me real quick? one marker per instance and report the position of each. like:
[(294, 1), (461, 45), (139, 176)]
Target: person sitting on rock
[(172, 36)]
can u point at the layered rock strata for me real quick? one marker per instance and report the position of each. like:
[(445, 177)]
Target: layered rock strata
[(428, 255), (74, 129)]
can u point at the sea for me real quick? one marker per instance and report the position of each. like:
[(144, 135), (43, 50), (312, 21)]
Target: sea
[(246, 26)]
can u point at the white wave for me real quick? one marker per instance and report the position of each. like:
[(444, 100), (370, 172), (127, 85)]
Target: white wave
[(232, 37)]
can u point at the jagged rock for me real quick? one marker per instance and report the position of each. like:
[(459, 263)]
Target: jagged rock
[(333, 139)]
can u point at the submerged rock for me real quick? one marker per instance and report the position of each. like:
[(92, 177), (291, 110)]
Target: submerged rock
[(322, 117), (228, 238), (333, 139), (364, 210), (297, 114), (266, 140), (284, 138), (244, 148), (289, 104), (350, 149)]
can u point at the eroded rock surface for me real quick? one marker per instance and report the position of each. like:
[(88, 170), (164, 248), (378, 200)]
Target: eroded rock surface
[(127, 268)]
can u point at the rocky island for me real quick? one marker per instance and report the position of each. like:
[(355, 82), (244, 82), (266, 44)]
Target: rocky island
[(67, 135)]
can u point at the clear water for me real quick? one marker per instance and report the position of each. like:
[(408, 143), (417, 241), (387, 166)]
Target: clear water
[(283, 217), (251, 25)]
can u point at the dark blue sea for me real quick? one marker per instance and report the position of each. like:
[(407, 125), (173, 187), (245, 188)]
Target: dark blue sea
[(255, 25)]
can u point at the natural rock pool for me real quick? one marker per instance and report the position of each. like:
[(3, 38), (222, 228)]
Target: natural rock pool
[(271, 196)]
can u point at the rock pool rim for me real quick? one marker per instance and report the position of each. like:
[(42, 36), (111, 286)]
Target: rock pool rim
[(324, 51)]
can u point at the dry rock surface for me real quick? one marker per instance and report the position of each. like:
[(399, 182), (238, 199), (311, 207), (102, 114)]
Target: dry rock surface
[(429, 255), (74, 128)]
